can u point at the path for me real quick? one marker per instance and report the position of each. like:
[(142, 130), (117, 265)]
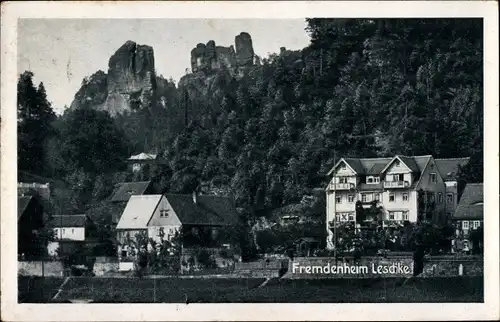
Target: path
[(61, 287)]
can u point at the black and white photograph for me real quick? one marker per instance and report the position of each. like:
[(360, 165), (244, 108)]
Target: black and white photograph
[(306, 159)]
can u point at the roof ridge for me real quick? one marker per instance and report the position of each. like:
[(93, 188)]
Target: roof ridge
[(145, 196), (133, 182), (177, 194), (459, 158)]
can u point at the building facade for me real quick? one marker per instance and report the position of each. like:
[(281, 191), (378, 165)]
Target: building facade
[(468, 220), (68, 230), (404, 188), (449, 169)]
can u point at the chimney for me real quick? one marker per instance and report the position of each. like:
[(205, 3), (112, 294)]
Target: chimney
[(194, 196)]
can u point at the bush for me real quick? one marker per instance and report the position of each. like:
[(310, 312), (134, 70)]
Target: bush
[(204, 259)]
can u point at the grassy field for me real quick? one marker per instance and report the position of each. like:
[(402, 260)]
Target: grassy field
[(246, 290)]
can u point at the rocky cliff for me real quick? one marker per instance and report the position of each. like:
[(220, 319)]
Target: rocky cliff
[(129, 84), (209, 57)]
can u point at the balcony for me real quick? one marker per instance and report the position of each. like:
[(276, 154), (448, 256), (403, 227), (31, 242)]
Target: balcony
[(396, 184), (341, 186)]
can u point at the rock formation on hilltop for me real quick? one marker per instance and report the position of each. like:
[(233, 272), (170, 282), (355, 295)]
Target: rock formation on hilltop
[(131, 78), (210, 57), (129, 84)]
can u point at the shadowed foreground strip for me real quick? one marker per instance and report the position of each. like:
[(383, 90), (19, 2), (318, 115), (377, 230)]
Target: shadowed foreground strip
[(218, 290)]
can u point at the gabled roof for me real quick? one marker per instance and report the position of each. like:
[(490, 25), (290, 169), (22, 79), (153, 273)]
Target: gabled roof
[(67, 221), (448, 168), (375, 166), (22, 205), (470, 205), (138, 212), (408, 161), (125, 190), (143, 156), (208, 210)]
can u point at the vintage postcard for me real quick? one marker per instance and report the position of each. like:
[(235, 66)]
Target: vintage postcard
[(249, 161)]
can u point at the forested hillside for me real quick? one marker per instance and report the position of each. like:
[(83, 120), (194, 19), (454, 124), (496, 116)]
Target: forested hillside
[(270, 132)]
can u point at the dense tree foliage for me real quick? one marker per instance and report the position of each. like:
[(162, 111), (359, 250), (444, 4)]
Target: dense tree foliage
[(34, 118)]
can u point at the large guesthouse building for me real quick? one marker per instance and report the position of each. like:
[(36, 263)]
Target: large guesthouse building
[(403, 188)]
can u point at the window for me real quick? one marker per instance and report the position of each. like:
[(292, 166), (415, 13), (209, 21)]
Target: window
[(369, 180), (342, 165), (440, 197), (363, 197), (124, 253), (338, 199), (350, 198), (377, 197), (465, 224), (351, 217), (475, 224), (391, 216), (397, 163), (449, 198), (431, 197), (433, 177), (391, 197), (405, 216), (163, 213), (395, 177), (342, 180), (377, 179), (405, 196)]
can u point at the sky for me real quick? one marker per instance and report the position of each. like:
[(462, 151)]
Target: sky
[(61, 52)]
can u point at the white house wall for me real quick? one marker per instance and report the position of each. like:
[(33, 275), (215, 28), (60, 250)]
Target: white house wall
[(398, 169), (169, 223), (71, 233)]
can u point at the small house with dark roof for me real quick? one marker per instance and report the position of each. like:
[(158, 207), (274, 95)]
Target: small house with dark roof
[(397, 185), (29, 220), (468, 217), (122, 193), (449, 170), (202, 218), (69, 230)]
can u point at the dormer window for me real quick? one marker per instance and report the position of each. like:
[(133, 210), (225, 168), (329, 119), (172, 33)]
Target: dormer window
[(372, 179)]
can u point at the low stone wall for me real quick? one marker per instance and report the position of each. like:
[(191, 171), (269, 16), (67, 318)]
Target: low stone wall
[(453, 266), (104, 265), (262, 268), (39, 268), (366, 267)]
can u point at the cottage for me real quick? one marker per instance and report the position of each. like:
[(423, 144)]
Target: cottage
[(29, 221), (123, 192), (160, 217), (468, 219), (70, 231), (450, 170)]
